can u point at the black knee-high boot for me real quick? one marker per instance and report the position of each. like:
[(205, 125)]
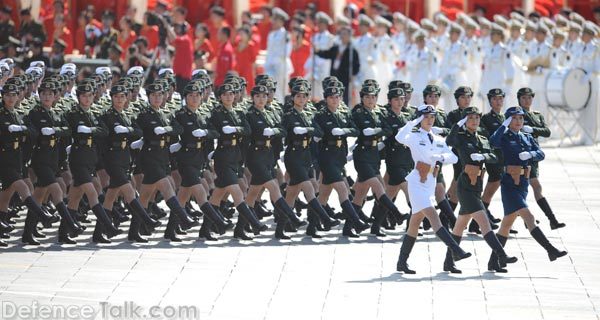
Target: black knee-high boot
[(40, 214), (361, 215), (457, 252), (98, 235), (553, 253), (185, 221), (554, 224), (379, 214), (351, 214), (448, 261), (388, 204), (172, 223), (239, 230), (493, 263), (245, 212), (217, 220), (204, 232), (28, 229), (313, 224), (287, 213), (67, 219), (407, 245), (282, 220), (498, 248), (138, 210), (447, 212), (107, 227), (134, 230), (321, 213)]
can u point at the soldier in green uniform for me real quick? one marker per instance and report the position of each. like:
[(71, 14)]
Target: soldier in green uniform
[(408, 108), (264, 126), (121, 131), (536, 126), (231, 125), (83, 157), (13, 132), (50, 126), (157, 131), (474, 152)]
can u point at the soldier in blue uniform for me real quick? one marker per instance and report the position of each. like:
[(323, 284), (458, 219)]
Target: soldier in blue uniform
[(519, 150)]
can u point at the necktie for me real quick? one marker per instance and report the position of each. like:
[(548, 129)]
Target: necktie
[(430, 136)]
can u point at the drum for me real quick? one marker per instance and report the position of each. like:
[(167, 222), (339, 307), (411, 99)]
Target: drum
[(568, 89)]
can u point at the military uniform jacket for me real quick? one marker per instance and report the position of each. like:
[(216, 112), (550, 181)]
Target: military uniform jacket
[(12, 141), (191, 120), (147, 120), (366, 149), (466, 143), (327, 120), (490, 122), (441, 121), (222, 117), (513, 143), (397, 154), (258, 121), (47, 147), (454, 116), (119, 141), (84, 145), (536, 121), (296, 118)]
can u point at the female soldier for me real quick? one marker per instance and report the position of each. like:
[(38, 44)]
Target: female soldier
[(369, 120), (474, 151), (50, 126), (86, 130), (117, 159), (260, 161), (227, 157), (519, 150), (12, 133), (191, 158), (154, 160), (427, 150)]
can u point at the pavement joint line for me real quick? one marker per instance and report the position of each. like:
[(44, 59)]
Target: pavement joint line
[(481, 279), (284, 264), (330, 279), (177, 277), (75, 273), (237, 258), (381, 268), (535, 291)]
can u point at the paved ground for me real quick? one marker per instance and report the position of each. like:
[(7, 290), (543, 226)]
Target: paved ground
[(331, 278)]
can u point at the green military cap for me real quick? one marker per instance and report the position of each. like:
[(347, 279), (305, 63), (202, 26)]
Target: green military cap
[(293, 80), (127, 82), (200, 83), (165, 72), (370, 82), (48, 85), (463, 91), (235, 83), (495, 93), (17, 81), (338, 84), (118, 88), (192, 87), (86, 86), (300, 88), (407, 87), (395, 84), (99, 78), (395, 92), (154, 87), (164, 83), (259, 89), (267, 83), (261, 77), (525, 92), (242, 82), (226, 87), (432, 88), (330, 91), (369, 90), (10, 88), (470, 110), (29, 78)]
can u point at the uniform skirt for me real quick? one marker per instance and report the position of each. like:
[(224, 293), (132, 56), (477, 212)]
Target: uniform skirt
[(82, 163), (514, 197), (154, 164), (397, 174), (298, 164), (190, 164), (44, 163), (227, 166), (261, 165), (421, 195), (331, 164), (11, 165), (366, 163), (116, 163), (469, 196)]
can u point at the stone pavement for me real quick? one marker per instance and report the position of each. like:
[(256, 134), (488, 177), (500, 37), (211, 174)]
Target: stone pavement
[(330, 278)]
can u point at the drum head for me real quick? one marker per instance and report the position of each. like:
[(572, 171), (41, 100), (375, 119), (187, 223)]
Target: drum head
[(576, 89)]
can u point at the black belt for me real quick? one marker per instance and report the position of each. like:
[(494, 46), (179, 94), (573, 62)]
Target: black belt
[(228, 143), (261, 143), (335, 143), (89, 142), (193, 145), (300, 143), (368, 143), (51, 143), (119, 145)]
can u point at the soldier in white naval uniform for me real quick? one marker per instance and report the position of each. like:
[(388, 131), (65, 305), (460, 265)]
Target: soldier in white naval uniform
[(422, 65), (475, 58), (277, 62), (319, 68), (453, 69), (401, 44), (589, 61), (385, 59), (365, 46), (517, 48), (498, 70)]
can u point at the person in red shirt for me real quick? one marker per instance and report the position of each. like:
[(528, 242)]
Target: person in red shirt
[(202, 42), (60, 31), (82, 22), (217, 22), (264, 26), (226, 57), (246, 51), (300, 51), (150, 33), (255, 36), (184, 54), (126, 35), (58, 7)]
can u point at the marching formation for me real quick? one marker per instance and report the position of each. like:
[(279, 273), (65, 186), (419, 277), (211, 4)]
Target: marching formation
[(117, 148)]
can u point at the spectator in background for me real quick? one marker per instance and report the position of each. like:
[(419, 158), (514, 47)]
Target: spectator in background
[(217, 22), (248, 21), (138, 54), (300, 51), (184, 54), (58, 7), (108, 34), (202, 42), (597, 15), (60, 31), (126, 35), (225, 57), (179, 17), (57, 55), (115, 52), (264, 26), (7, 26), (82, 22), (245, 56), (30, 28), (37, 53), (149, 32)]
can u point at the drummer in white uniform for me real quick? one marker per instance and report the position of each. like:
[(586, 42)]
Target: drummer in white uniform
[(518, 50), (573, 44), (279, 47), (319, 68), (429, 152), (559, 56), (422, 65), (498, 69), (589, 61), (453, 69), (475, 58), (365, 46)]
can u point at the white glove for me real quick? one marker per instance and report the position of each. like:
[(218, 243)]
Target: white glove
[(316, 139), (174, 147), (121, 129), (416, 121), (15, 128), (437, 130), (300, 130), (84, 129), (160, 130), (137, 144), (477, 157), (525, 155), (352, 147), (437, 158), (380, 146), (337, 131), (267, 132), (462, 121), (47, 131), (527, 129), (507, 121), (350, 157), (199, 133), (371, 131), (229, 129), (210, 155), (68, 149)]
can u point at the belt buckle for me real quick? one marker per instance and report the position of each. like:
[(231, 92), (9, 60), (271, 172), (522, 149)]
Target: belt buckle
[(373, 143), (162, 143), (304, 143), (198, 144), (123, 144), (233, 142), (89, 141), (268, 143), (52, 142), (15, 145), (338, 143)]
